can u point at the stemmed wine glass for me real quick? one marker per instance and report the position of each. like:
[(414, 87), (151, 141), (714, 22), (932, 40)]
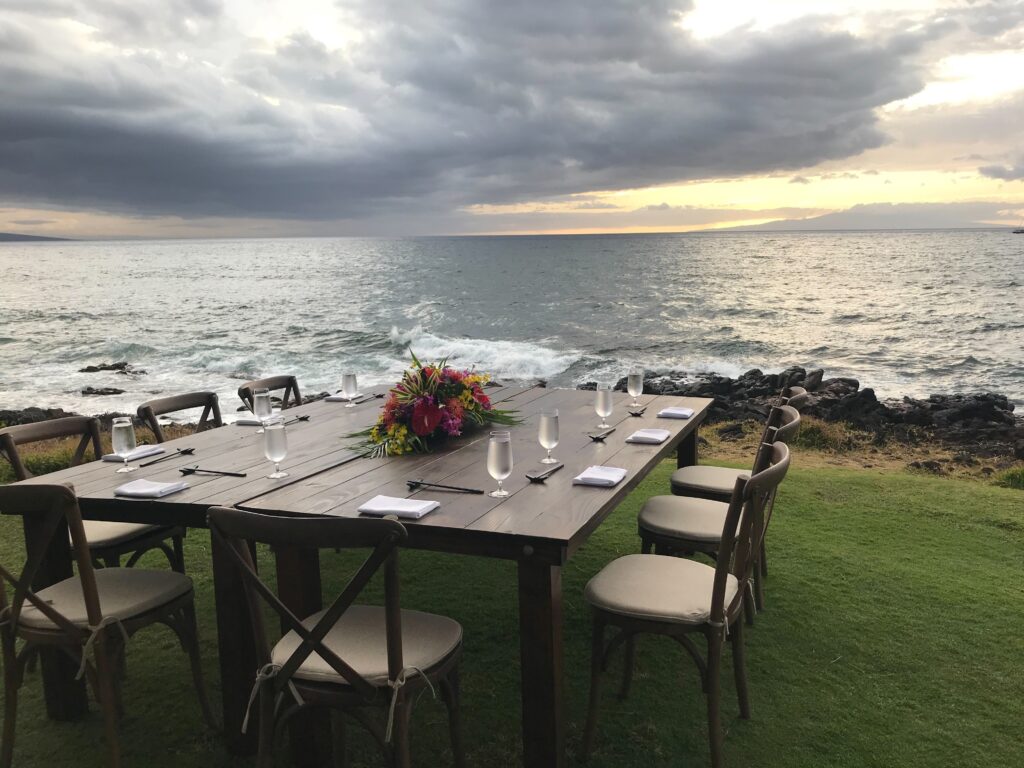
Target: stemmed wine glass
[(635, 383), (548, 434), (275, 445), (499, 460), (603, 403), (262, 407), (122, 435), (349, 388)]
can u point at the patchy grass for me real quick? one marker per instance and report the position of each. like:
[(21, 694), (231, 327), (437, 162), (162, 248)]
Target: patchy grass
[(891, 638), (1011, 478)]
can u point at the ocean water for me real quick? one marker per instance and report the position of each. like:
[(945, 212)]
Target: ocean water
[(905, 312)]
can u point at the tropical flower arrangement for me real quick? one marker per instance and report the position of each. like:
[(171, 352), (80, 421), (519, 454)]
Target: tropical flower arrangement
[(431, 403)]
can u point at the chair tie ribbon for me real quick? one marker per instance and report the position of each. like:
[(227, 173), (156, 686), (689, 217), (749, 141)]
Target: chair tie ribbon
[(94, 632), (265, 674), (396, 686)]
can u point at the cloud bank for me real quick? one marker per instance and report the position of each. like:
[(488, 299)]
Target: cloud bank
[(163, 107)]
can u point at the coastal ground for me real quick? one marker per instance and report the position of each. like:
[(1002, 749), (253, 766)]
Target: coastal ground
[(891, 637)]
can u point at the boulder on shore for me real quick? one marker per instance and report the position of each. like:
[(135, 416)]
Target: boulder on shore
[(122, 367)]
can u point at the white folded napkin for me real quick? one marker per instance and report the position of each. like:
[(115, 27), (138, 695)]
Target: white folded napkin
[(147, 489), (393, 505), (605, 477), (649, 436), (138, 453), (675, 412), (248, 421), (342, 398)]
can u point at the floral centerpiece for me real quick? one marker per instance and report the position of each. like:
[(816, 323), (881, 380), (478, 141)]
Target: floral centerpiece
[(430, 404)]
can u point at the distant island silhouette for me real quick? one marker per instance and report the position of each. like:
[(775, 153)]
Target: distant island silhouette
[(13, 237)]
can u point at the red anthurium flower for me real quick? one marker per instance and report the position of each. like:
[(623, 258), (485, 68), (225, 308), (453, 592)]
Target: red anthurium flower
[(425, 417)]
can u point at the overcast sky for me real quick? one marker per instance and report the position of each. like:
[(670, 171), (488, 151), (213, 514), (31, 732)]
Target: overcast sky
[(265, 117)]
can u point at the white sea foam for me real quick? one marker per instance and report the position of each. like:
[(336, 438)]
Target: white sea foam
[(519, 360)]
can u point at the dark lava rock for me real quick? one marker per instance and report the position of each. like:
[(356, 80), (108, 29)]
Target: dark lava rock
[(733, 431), (965, 459), (929, 465), (123, 367), (102, 391), (31, 416)]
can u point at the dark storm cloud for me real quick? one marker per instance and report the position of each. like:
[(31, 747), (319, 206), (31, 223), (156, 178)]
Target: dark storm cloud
[(161, 108)]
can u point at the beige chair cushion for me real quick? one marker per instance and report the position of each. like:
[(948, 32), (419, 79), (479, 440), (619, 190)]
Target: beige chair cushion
[(102, 534), (658, 588), (684, 517), (358, 639), (705, 479), (123, 592)]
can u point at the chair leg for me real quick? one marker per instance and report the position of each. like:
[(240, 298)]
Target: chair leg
[(178, 545), (267, 726), (627, 667), (11, 683), (338, 740), (450, 694), (646, 545), (596, 654), (190, 641), (106, 693), (714, 685), (739, 668), (401, 753)]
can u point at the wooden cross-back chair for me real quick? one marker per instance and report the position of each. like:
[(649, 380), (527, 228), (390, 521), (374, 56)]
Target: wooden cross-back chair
[(108, 542), (677, 598), (683, 525), (289, 384), (89, 616), (149, 411), (349, 656)]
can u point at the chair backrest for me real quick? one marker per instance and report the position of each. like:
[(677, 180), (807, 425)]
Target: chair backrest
[(44, 507), (288, 383), (84, 427), (794, 396), (234, 528), (741, 535), (151, 409)]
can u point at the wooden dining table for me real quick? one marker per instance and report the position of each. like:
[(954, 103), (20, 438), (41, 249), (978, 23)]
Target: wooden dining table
[(539, 526)]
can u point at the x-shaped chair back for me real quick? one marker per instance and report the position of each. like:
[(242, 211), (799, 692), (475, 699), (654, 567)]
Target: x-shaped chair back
[(744, 526), (150, 410), (233, 528), (45, 507), (84, 427)]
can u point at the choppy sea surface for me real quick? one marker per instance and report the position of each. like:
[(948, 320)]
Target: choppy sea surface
[(910, 312)]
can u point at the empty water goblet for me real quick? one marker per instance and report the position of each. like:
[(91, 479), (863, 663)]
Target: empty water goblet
[(122, 436), (262, 407), (499, 460), (603, 403), (275, 445), (349, 388), (548, 434), (635, 383)]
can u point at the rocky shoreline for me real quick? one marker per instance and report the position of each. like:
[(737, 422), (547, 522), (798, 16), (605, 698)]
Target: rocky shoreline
[(983, 424)]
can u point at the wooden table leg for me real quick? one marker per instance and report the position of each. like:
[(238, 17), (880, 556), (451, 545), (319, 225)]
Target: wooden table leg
[(298, 587), (540, 638), (237, 649), (686, 454), (65, 696)]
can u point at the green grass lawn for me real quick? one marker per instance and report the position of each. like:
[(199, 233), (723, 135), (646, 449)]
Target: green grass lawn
[(892, 637)]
